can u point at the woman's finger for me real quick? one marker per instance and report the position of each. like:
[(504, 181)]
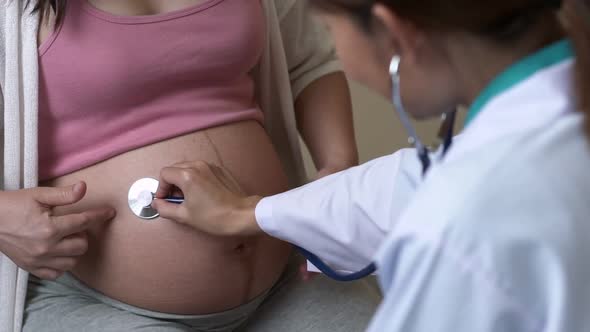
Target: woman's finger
[(76, 223), (61, 263), (72, 246), (60, 195), (47, 273)]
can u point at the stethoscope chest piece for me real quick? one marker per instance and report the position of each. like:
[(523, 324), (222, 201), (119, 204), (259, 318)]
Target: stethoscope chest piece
[(140, 197)]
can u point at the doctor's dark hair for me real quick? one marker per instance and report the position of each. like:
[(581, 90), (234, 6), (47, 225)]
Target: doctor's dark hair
[(502, 21)]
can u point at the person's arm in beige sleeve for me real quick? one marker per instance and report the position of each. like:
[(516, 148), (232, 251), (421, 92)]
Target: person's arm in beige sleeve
[(322, 97)]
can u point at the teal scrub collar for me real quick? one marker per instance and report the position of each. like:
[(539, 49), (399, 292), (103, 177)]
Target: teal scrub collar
[(519, 72)]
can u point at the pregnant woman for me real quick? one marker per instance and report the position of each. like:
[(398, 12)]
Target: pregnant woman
[(125, 88)]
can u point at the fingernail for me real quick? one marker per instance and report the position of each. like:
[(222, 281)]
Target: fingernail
[(78, 186)]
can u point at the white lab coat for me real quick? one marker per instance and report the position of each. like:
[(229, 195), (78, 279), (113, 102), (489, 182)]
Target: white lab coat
[(495, 238)]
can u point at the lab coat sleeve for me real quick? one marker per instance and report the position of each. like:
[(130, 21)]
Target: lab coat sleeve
[(343, 218)]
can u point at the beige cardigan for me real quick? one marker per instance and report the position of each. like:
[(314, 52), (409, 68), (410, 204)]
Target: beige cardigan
[(297, 53)]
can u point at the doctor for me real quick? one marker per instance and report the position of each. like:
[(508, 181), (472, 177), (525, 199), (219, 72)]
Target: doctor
[(495, 236)]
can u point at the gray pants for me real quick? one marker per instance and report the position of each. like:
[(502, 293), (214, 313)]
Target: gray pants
[(292, 305)]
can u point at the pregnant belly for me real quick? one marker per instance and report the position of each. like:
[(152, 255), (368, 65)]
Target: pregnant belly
[(163, 266)]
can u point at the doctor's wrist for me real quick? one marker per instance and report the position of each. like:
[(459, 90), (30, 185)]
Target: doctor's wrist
[(246, 217)]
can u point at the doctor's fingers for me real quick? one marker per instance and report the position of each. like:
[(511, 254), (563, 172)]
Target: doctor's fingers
[(67, 225), (170, 178), (175, 212), (220, 172), (196, 174)]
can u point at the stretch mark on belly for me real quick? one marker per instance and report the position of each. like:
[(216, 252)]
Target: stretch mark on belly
[(215, 149), (244, 250)]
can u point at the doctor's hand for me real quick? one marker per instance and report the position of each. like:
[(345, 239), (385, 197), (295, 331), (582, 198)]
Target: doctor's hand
[(40, 242), (213, 201)]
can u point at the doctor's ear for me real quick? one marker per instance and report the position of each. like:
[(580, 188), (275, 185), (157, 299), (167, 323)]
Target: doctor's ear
[(396, 36)]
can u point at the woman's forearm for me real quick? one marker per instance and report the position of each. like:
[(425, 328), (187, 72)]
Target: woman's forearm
[(324, 119)]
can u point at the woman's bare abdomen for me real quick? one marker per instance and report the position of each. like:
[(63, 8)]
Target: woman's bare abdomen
[(163, 266)]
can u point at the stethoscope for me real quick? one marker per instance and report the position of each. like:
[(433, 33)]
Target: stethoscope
[(142, 192)]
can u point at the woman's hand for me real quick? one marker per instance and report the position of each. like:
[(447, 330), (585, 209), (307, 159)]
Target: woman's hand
[(213, 200), (36, 240)]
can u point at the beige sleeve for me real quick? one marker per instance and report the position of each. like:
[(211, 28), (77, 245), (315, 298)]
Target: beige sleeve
[(308, 46)]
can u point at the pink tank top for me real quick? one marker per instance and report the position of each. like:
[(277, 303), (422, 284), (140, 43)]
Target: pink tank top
[(110, 84)]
